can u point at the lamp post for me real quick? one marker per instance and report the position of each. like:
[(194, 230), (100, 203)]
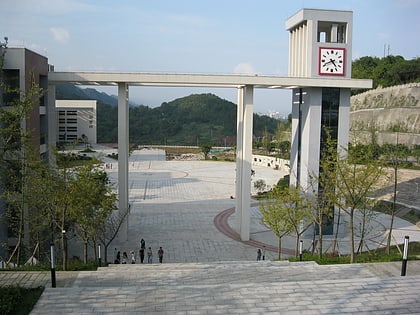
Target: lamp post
[(300, 249), (53, 283), (405, 256), (99, 255)]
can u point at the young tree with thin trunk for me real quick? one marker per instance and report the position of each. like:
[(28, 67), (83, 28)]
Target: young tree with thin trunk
[(109, 231), (94, 202), (284, 211), (355, 186)]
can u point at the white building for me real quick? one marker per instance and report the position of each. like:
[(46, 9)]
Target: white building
[(76, 120)]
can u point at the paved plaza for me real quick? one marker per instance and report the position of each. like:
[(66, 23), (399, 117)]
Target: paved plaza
[(175, 203), (186, 207)]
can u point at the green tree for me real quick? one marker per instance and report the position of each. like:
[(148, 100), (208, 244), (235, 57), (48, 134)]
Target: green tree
[(355, 184), (109, 230), (17, 156), (322, 188), (266, 141), (94, 201), (260, 185), (205, 148), (395, 156), (284, 211), (53, 193)]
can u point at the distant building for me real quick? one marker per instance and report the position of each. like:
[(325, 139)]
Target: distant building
[(76, 121)]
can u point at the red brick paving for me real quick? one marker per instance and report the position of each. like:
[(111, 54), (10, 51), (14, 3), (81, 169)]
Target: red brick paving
[(221, 223)]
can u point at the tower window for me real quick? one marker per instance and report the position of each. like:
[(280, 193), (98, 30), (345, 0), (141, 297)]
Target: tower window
[(332, 32)]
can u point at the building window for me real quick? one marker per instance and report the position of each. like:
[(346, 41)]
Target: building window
[(71, 129)]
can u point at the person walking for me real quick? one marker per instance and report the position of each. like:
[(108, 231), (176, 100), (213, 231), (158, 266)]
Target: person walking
[(149, 256), (141, 254), (118, 258), (263, 253), (133, 257), (160, 254), (124, 258), (259, 254)]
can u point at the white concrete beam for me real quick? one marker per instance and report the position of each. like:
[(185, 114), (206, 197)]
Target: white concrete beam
[(210, 80)]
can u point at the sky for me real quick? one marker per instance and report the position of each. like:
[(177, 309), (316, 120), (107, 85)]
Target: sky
[(191, 36)]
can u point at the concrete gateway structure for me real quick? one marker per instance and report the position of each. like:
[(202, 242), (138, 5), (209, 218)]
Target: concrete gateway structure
[(319, 74)]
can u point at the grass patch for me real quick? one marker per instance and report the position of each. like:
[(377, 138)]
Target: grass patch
[(71, 266), (17, 300), (377, 255), (180, 150), (412, 216)]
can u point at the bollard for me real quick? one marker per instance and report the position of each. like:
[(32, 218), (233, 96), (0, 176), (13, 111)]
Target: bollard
[(405, 256), (53, 284), (300, 250), (99, 255)]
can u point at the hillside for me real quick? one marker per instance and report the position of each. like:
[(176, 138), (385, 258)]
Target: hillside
[(389, 111), (190, 120), (70, 92)]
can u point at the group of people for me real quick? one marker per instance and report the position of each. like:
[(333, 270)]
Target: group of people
[(124, 258), (142, 253)]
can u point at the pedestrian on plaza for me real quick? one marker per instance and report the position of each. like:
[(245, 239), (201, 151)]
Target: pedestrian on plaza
[(143, 244), (263, 253), (133, 257), (124, 258), (141, 254), (259, 254), (149, 256), (160, 254), (118, 258)]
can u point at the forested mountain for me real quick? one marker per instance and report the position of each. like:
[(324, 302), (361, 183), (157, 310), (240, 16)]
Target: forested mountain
[(70, 92), (191, 120), (387, 71)]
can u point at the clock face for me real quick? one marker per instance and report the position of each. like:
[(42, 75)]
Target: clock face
[(331, 61)]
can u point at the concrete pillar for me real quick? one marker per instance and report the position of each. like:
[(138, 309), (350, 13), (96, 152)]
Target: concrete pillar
[(239, 157), (243, 162), (306, 133), (344, 121), (123, 144)]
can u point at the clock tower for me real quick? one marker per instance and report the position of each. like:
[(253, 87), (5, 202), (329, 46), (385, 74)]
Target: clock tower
[(320, 43), (320, 51)]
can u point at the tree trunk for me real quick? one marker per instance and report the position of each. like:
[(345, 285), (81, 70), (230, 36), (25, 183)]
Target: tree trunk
[(320, 234), (105, 254), (351, 227), (334, 249), (95, 253), (279, 250), (85, 252), (388, 243), (64, 251)]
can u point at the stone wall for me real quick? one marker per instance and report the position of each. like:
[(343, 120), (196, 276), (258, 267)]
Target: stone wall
[(387, 111)]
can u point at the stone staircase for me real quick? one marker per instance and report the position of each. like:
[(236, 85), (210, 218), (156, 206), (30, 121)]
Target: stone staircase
[(233, 288)]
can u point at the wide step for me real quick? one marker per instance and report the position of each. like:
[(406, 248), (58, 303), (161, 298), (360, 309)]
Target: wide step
[(346, 296)]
